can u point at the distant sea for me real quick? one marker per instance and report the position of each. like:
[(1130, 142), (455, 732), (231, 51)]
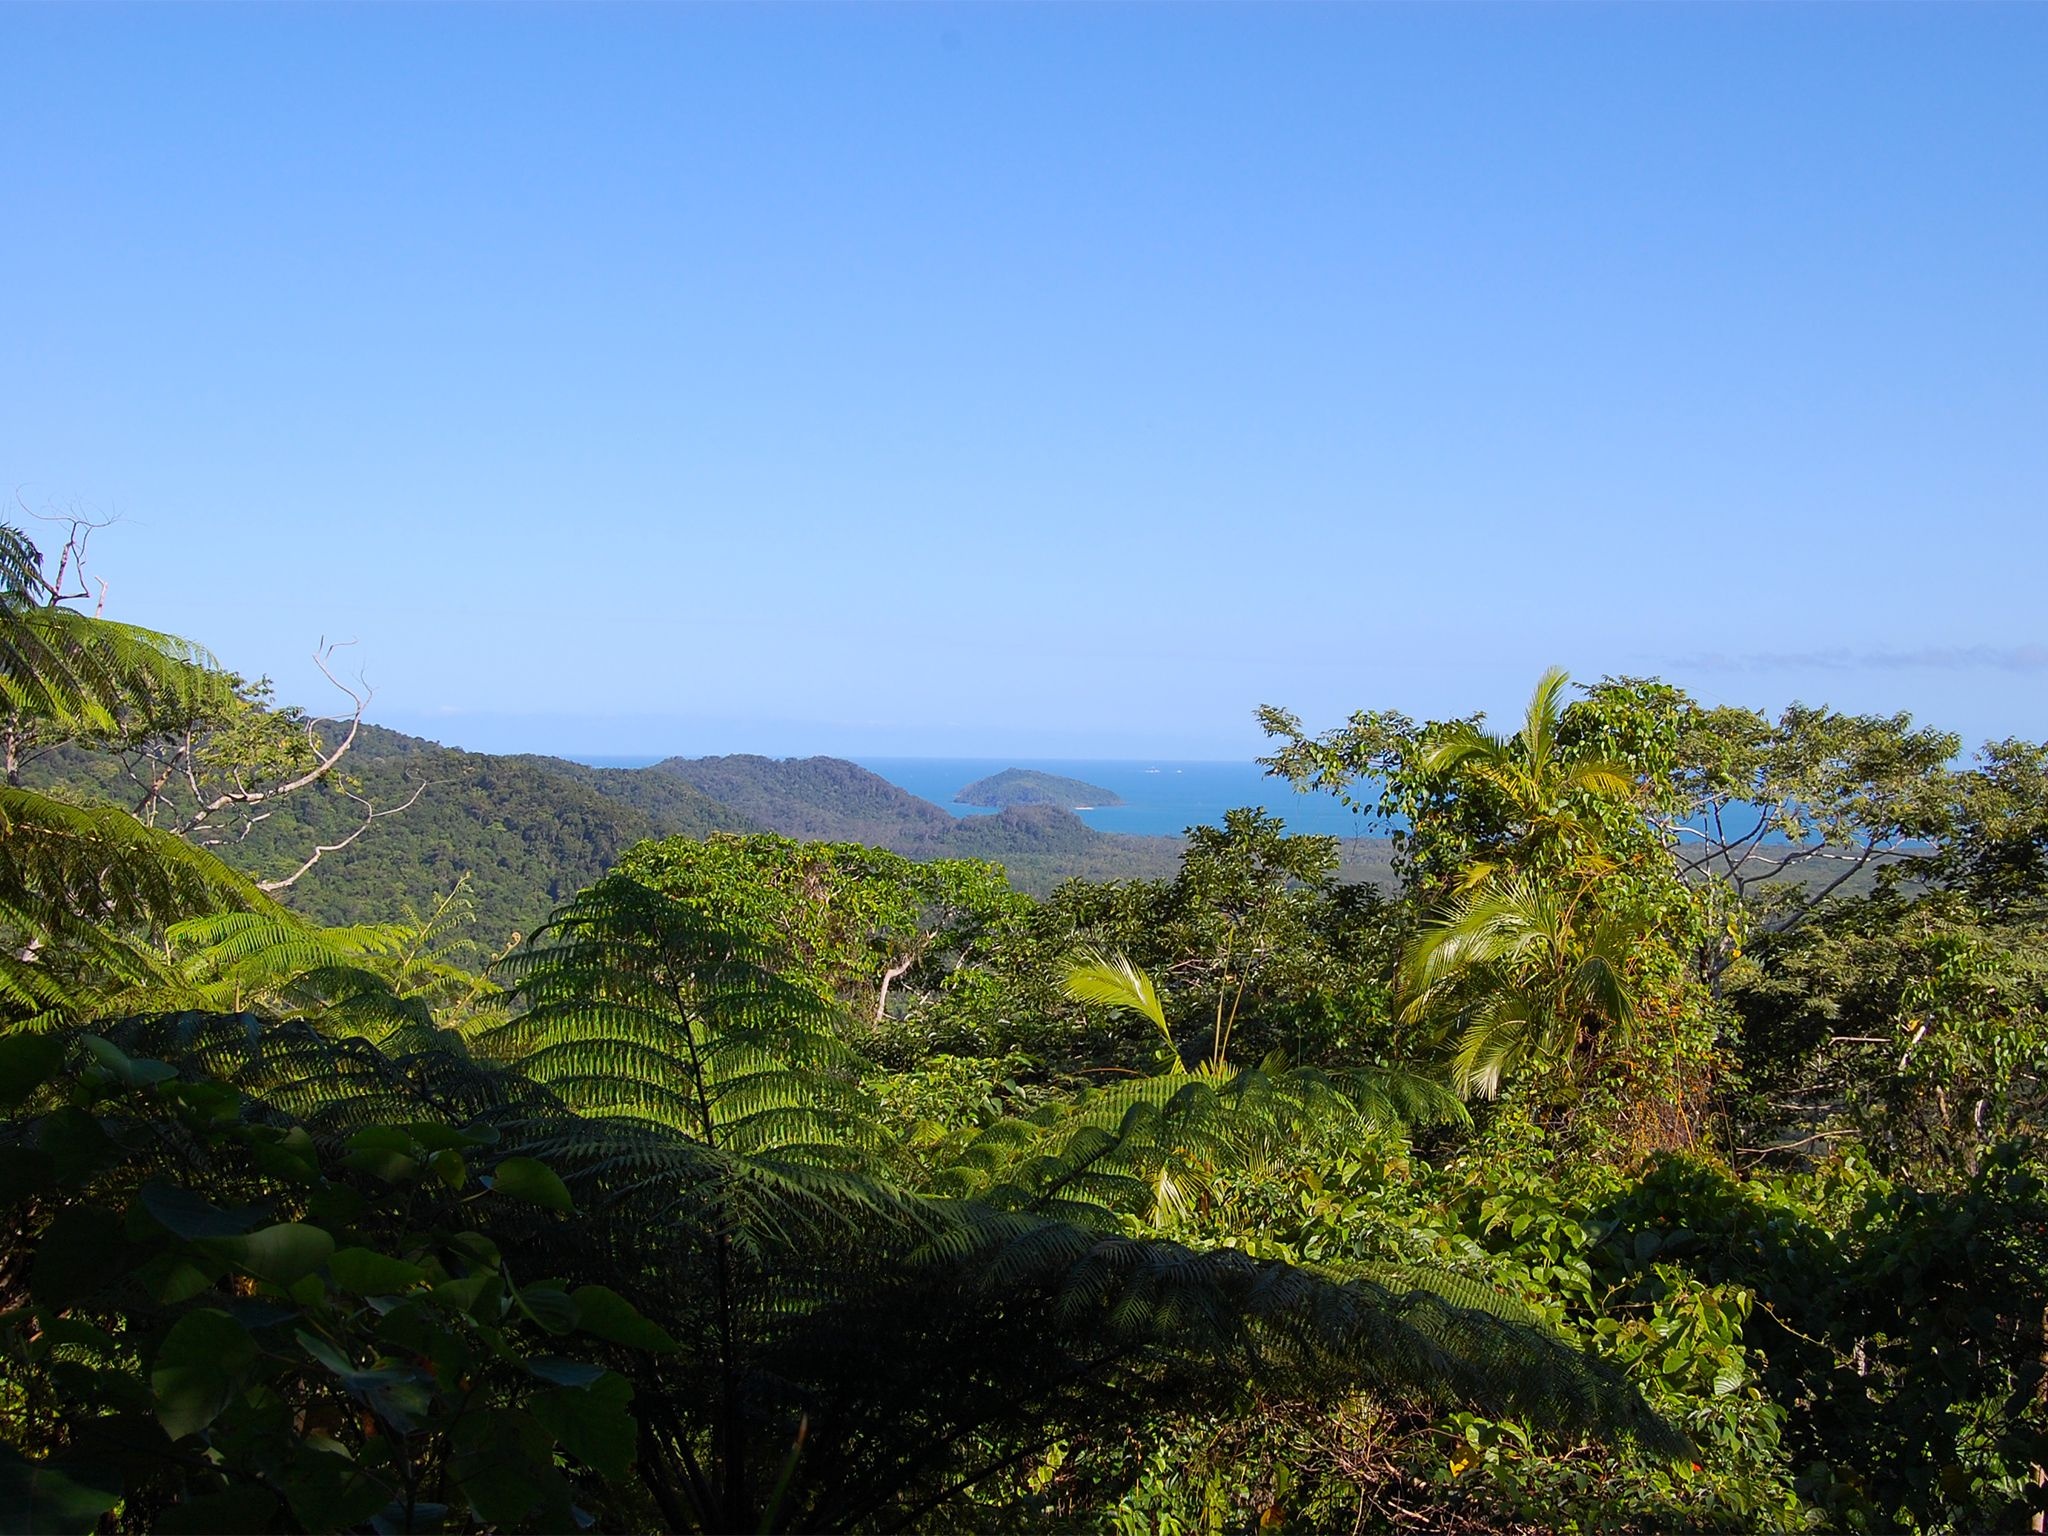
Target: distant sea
[(1161, 797)]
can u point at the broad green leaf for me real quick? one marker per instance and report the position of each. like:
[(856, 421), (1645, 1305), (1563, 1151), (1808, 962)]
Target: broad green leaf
[(329, 1492), (281, 1255), (192, 1216), (477, 1295), (53, 1498), (76, 1142), (504, 1462), (24, 1170), (325, 1353), (439, 1138), (172, 1279), (603, 1312), (564, 1373), (529, 1179), (593, 1424), (199, 1367), (361, 1272), (548, 1305), (126, 1070)]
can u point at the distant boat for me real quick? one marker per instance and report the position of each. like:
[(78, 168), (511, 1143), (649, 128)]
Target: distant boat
[(1155, 770)]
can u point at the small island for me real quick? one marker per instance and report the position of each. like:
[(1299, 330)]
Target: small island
[(1027, 786)]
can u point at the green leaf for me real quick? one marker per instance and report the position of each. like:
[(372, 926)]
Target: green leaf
[(325, 1353), (449, 1168), (171, 1278), (564, 1373), (364, 1273), (384, 1152), (504, 1462), (478, 1295), (281, 1255), (50, 1498), (594, 1424), (24, 1170), (193, 1216), (548, 1305), (26, 1063), (440, 1138), (329, 1492), (603, 1312), (529, 1179), (382, 1138), (199, 1367), (127, 1071)]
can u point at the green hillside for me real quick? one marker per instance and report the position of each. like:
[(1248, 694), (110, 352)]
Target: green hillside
[(820, 799), (528, 831)]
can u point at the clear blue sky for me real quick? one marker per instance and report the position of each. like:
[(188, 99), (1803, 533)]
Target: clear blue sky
[(1042, 380)]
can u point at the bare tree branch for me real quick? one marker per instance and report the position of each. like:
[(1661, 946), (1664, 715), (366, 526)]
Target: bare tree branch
[(370, 814), (323, 766)]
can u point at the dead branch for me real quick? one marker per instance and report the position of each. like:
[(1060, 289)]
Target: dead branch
[(370, 814), (327, 758)]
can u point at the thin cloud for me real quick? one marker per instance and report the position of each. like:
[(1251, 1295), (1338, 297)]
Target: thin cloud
[(1932, 658)]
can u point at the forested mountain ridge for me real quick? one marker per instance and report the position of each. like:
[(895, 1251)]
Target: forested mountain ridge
[(825, 799), (527, 830)]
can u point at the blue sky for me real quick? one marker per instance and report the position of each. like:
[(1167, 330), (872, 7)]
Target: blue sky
[(1042, 380)]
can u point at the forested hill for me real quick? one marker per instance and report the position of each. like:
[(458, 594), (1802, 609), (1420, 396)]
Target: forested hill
[(530, 831), (819, 799), (1028, 786)]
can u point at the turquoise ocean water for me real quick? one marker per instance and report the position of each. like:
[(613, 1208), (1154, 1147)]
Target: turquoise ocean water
[(1161, 798)]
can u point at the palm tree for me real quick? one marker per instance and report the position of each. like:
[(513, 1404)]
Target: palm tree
[(1521, 977), (1542, 790)]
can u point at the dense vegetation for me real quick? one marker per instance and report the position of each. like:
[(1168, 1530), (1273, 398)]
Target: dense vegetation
[(1615, 1172), (1030, 786)]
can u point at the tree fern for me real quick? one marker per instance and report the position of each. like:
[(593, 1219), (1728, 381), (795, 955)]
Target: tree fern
[(81, 672), (363, 979), (86, 893), (632, 1005)]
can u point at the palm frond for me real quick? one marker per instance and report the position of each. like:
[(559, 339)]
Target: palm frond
[(1112, 980)]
